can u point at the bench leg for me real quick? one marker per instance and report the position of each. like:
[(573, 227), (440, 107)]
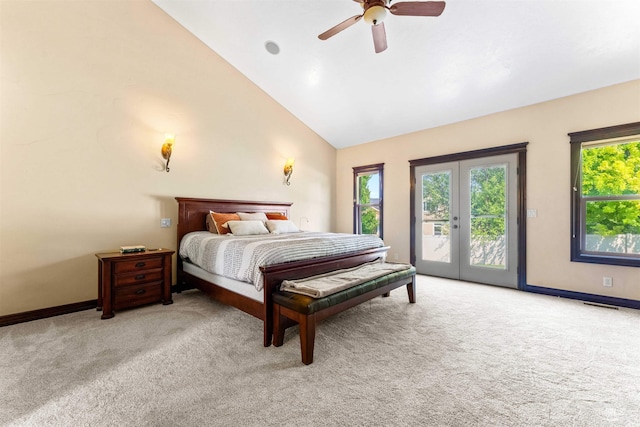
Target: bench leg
[(411, 290), (278, 329), (307, 337)]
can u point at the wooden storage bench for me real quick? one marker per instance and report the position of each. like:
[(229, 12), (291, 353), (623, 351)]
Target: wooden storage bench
[(290, 308)]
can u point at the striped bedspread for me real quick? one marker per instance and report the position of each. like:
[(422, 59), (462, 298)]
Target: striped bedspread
[(239, 257)]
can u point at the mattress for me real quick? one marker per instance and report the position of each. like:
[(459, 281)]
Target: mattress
[(235, 286)]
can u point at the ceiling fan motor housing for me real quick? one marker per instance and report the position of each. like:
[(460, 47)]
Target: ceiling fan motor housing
[(374, 11)]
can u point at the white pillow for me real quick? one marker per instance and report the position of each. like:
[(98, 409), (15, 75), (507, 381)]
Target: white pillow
[(257, 216), (246, 228), (279, 226)]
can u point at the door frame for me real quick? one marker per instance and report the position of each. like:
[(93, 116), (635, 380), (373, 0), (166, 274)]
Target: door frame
[(521, 150)]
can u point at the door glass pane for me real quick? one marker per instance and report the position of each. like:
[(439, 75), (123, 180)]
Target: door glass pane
[(488, 219), (436, 205)]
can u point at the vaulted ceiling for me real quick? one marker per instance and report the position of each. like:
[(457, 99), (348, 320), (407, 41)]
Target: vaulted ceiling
[(479, 57)]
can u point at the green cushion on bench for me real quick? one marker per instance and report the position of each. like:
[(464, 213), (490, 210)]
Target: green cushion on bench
[(307, 305)]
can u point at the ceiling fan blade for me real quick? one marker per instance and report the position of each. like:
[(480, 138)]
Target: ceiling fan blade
[(379, 37), (418, 8), (341, 26)]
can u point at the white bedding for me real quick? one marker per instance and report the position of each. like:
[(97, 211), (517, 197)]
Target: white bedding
[(239, 257)]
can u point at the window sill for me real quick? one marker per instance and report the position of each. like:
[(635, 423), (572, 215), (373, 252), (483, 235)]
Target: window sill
[(603, 259)]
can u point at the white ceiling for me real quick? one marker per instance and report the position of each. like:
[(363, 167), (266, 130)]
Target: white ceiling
[(479, 57)]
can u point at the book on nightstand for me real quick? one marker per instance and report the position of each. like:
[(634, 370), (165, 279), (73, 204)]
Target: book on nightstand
[(132, 249)]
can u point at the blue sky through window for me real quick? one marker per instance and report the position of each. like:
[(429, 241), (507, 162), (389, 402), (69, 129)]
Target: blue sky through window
[(374, 185)]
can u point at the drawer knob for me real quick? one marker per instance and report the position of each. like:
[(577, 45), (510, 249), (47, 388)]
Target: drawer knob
[(140, 291), (140, 264), (140, 276)]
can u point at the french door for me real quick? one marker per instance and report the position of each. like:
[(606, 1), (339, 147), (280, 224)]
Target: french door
[(466, 215)]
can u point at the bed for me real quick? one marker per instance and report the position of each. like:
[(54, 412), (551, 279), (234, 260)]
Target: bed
[(192, 214)]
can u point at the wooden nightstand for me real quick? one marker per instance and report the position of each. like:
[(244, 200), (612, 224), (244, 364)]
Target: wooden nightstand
[(129, 280)]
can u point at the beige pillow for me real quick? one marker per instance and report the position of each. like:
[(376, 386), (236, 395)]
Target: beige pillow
[(281, 226), (256, 216), (247, 227)]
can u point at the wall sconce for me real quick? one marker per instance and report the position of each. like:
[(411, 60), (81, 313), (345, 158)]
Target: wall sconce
[(167, 147), (288, 170)]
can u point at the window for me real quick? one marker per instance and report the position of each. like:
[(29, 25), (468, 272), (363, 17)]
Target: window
[(367, 199), (605, 207)]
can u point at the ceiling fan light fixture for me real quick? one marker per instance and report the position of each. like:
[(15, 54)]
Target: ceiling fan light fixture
[(375, 15)]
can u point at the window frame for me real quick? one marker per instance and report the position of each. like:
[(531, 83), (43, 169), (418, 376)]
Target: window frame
[(577, 201), (368, 170)]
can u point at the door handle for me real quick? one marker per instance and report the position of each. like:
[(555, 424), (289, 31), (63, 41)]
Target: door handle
[(455, 226), (455, 218)]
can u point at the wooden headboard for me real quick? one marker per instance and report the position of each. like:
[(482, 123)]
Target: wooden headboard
[(192, 213)]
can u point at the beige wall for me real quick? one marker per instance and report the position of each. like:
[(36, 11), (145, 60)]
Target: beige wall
[(89, 88), (545, 127)]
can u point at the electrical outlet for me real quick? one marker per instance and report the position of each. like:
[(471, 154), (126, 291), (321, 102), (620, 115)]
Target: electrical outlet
[(532, 213), (165, 222), (607, 281)]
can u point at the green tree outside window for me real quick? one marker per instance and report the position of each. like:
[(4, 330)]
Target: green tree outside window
[(368, 199), (610, 171)]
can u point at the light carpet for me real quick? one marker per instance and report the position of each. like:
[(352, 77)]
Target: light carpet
[(463, 355)]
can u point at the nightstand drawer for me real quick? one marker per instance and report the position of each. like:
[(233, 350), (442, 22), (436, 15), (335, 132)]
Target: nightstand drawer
[(137, 265), (131, 296), (139, 277)]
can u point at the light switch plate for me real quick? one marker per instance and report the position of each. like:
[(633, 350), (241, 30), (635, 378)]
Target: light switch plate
[(165, 222)]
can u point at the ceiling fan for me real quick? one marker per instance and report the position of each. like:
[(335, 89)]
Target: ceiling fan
[(374, 12)]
